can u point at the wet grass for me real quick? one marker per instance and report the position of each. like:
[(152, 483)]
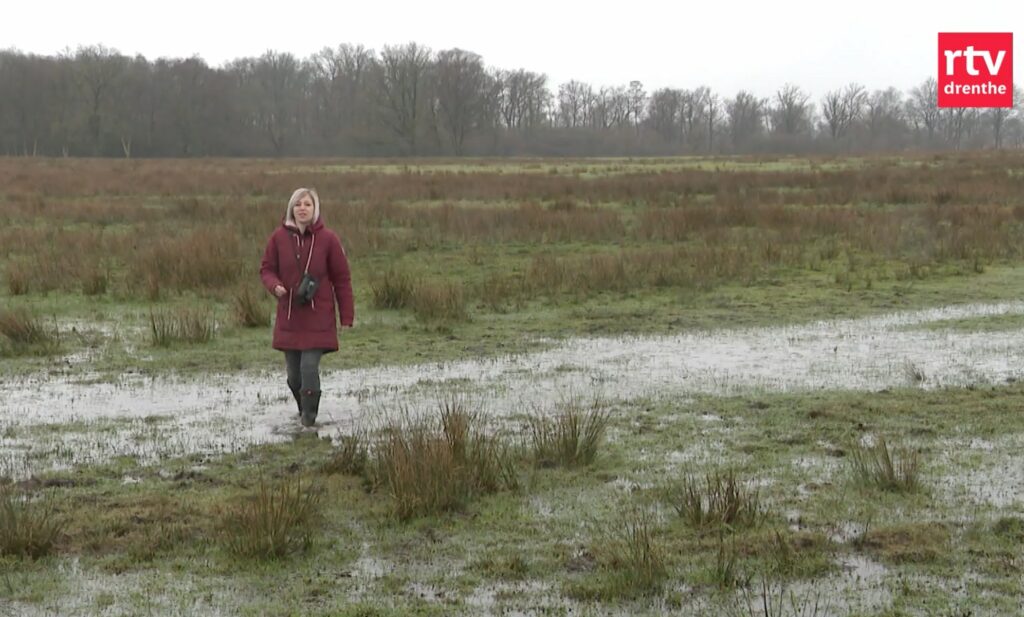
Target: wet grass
[(385, 336), (393, 290), (878, 466), (630, 557), (434, 464), (593, 539), (572, 437), (278, 519), (186, 325), (29, 525), (517, 255), (987, 323), (716, 498), (770, 599), (252, 308), (22, 334)]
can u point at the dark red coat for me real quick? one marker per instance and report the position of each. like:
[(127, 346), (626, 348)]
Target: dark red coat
[(313, 325)]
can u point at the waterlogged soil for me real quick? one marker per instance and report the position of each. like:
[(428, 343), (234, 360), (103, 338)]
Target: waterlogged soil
[(52, 421), (60, 421)]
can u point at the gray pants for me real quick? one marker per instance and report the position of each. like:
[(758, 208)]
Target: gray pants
[(303, 369)]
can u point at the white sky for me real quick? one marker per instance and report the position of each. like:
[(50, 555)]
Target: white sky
[(759, 46)]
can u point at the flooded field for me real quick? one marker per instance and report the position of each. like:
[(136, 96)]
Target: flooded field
[(52, 421), (59, 421), (142, 410)]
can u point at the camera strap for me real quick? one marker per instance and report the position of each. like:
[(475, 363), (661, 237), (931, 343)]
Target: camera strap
[(298, 255)]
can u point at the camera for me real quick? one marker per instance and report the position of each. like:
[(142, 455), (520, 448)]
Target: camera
[(307, 288)]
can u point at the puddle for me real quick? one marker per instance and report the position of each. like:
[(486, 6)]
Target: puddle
[(983, 471), (231, 412), (87, 592), (859, 587), (863, 569)]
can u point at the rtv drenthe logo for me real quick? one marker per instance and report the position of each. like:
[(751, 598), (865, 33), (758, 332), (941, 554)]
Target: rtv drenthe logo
[(975, 69)]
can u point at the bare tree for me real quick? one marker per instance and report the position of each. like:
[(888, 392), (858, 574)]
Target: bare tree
[(342, 80), (699, 107), (63, 94), (997, 117), (192, 87), (610, 108), (746, 118), (884, 114), (842, 108), (663, 113), (273, 89), (575, 102), (791, 114), (134, 91), (97, 71), (923, 106), (401, 91), (958, 124), (463, 89), (714, 107), (637, 98), (522, 98), (25, 107)]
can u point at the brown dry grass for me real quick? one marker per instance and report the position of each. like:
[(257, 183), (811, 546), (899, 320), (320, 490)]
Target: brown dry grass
[(149, 228)]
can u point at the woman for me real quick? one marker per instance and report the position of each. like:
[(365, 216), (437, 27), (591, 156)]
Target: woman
[(305, 267)]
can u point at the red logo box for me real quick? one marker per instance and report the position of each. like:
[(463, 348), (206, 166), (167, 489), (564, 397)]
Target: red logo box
[(975, 69)]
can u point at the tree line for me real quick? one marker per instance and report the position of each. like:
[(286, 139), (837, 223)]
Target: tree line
[(410, 100)]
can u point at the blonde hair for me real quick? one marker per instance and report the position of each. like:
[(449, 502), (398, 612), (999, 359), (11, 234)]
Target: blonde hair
[(289, 215)]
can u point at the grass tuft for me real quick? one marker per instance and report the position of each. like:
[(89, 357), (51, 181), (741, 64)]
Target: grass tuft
[(571, 438), (275, 521), (27, 528), (440, 464), (187, 325), (393, 291), (631, 559), (25, 334), (95, 280), (718, 499), (774, 599), (350, 456), (17, 275), (635, 555), (896, 470), (439, 302), (250, 308)]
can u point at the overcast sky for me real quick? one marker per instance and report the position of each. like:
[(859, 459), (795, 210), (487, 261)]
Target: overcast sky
[(726, 45)]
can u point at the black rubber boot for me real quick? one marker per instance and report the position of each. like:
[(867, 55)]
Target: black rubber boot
[(310, 406), (298, 398)]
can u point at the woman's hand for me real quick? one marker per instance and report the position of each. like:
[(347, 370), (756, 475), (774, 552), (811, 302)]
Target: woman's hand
[(279, 290)]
